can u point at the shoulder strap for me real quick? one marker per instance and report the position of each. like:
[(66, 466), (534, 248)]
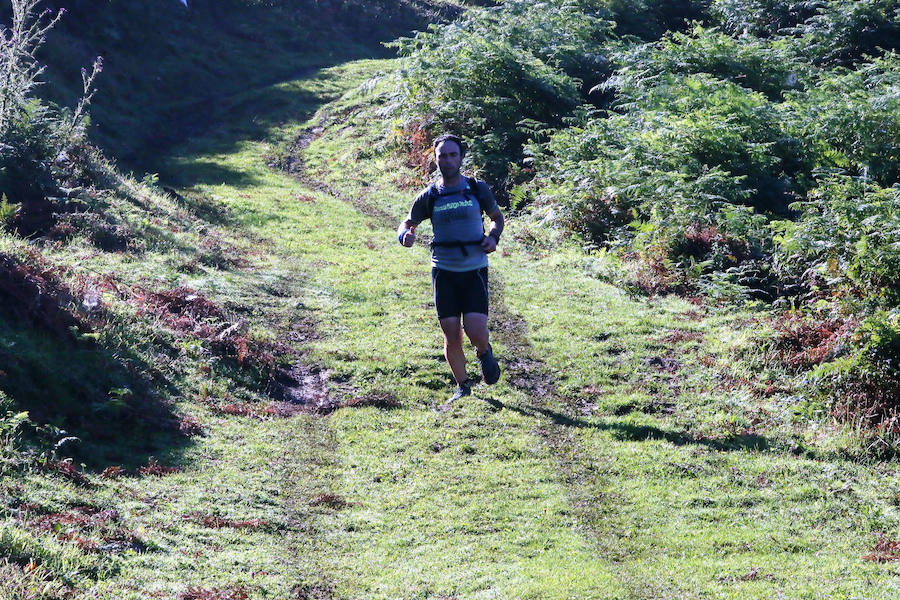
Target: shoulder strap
[(430, 197), (472, 184)]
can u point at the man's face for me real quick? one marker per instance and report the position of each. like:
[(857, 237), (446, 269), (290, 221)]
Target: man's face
[(448, 158)]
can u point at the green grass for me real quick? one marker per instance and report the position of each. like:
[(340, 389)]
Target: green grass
[(622, 456), (683, 480)]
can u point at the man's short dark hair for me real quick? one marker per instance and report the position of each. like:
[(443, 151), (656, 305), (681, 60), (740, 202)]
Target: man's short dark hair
[(449, 137)]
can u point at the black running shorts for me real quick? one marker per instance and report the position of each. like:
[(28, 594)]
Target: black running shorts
[(458, 293)]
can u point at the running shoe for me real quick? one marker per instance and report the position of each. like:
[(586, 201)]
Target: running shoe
[(490, 369), (462, 389)]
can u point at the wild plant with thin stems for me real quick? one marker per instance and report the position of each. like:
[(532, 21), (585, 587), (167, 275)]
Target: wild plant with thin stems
[(72, 129), (20, 71), (19, 68)]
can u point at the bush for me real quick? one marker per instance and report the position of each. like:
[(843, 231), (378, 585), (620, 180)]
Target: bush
[(846, 240), (853, 118), (843, 32), (684, 150), (861, 387), (650, 19), (487, 75), (763, 18), (749, 62), (33, 135)]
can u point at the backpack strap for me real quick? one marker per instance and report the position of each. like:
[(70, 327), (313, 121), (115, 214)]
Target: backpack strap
[(430, 198), (472, 189)]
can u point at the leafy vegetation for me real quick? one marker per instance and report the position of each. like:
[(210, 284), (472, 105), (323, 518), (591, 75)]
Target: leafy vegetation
[(35, 136), (744, 156), (498, 70)]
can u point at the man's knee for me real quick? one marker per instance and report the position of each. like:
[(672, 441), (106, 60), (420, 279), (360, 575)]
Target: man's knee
[(476, 327), (452, 329)]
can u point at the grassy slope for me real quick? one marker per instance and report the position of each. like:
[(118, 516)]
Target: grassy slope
[(615, 484), (681, 483), (167, 69), (624, 482), (595, 469)]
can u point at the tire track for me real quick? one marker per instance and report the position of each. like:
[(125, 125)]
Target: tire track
[(581, 472), (313, 459)]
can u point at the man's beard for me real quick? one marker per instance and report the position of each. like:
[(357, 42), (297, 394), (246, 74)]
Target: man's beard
[(448, 175)]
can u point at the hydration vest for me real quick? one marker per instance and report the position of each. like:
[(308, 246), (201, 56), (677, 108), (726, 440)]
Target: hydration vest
[(470, 191)]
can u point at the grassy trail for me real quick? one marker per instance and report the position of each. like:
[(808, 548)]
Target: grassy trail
[(398, 468), (629, 451), (618, 458)]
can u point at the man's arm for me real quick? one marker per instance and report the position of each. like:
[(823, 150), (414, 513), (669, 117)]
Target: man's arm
[(489, 243), (406, 232)]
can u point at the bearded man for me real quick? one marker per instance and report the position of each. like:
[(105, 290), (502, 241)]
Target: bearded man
[(459, 261)]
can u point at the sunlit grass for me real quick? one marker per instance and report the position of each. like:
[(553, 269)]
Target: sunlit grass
[(644, 471)]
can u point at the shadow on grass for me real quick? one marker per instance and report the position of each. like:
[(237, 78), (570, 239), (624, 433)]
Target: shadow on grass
[(189, 172), (532, 376), (77, 388), (179, 151), (184, 156), (202, 206), (638, 433)]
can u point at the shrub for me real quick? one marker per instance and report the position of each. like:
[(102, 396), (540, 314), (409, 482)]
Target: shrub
[(497, 69), (861, 387), (847, 240), (853, 118), (843, 32), (650, 19), (684, 150), (749, 62), (33, 134), (764, 18)]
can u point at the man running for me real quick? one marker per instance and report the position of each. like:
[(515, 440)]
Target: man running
[(459, 261)]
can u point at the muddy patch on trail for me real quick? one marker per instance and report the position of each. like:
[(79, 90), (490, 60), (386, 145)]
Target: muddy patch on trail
[(292, 160), (531, 376), (299, 387), (303, 386), (663, 363), (523, 371), (306, 389), (237, 592), (314, 592)]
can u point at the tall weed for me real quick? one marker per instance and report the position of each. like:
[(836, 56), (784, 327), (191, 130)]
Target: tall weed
[(32, 135)]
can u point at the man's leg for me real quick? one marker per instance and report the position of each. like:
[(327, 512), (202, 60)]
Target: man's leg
[(476, 328), (453, 348)]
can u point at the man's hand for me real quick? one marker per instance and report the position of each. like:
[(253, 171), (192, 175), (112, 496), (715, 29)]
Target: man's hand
[(489, 244), (408, 237)]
